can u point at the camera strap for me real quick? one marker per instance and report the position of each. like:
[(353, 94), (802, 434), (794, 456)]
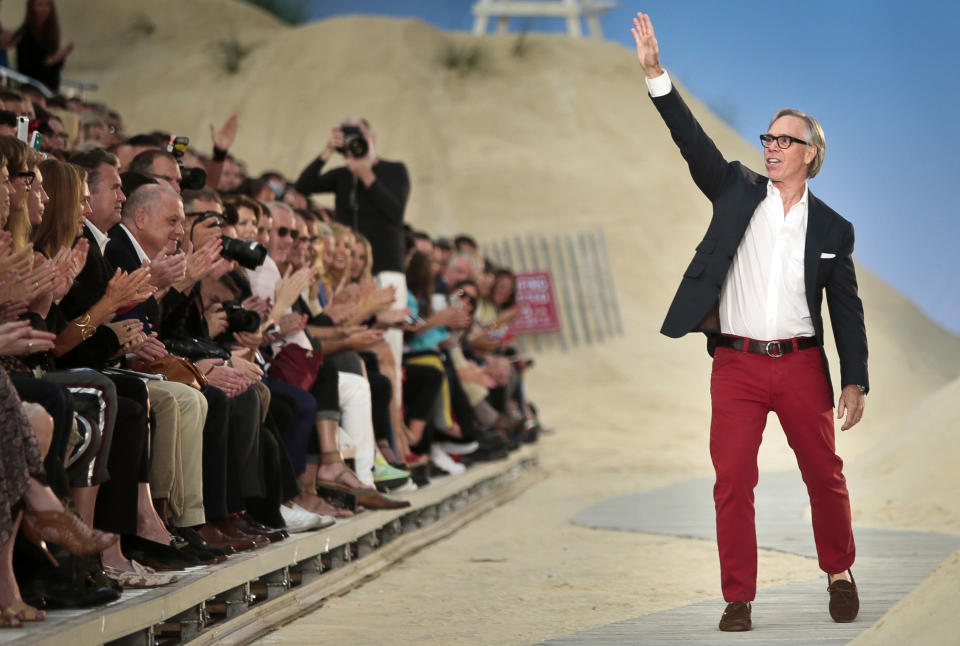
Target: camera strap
[(355, 204)]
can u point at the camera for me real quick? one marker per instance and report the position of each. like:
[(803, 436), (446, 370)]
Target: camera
[(240, 319), (249, 253), (192, 179), (353, 141)]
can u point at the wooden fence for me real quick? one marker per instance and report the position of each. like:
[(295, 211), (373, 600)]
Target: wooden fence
[(584, 289)]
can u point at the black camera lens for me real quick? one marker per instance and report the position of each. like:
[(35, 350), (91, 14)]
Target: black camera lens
[(240, 319), (248, 253), (192, 179), (353, 142)]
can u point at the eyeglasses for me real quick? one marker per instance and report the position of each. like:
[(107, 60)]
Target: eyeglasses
[(464, 296), (27, 175), (283, 232), (783, 141)]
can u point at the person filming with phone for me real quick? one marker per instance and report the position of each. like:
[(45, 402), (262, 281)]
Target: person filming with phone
[(371, 195)]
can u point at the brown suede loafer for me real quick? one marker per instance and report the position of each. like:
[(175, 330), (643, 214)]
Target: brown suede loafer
[(736, 618), (844, 602)]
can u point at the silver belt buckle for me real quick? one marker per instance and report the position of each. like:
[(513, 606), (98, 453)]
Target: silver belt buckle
[(769, 351)]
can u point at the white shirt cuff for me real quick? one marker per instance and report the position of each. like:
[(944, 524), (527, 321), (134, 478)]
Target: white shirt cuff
[(660, 85)]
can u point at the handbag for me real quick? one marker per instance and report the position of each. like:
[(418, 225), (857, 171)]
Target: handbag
[(173, 368), (296, 366)]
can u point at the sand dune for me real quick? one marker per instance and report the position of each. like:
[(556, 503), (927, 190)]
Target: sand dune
[(561, 139)]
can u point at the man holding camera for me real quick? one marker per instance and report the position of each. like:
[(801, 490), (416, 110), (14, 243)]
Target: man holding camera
[(371, 195)]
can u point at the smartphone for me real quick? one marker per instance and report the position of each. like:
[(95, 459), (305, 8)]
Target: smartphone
[(178, 145), (36, 139), (23, 128)]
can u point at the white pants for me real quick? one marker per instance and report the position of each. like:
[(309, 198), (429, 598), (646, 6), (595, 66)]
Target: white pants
[(356, 423), (394, 337)]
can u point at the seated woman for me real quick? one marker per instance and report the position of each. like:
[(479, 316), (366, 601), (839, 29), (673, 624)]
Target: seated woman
[(23, 496), (422, 341)]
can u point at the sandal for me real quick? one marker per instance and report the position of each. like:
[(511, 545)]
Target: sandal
[(24, 612), (141, 577)]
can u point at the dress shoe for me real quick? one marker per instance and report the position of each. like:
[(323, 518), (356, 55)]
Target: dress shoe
[(229, 527), (844, 600), (736, 617), (373, 499), (157, 555), (251, 526), (54, 595), (193, 537), (213, 536)]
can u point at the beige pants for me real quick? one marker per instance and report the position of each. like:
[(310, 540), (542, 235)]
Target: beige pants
[(176, 463)]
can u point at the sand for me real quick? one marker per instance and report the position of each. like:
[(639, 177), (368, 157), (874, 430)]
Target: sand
[(561, 139)]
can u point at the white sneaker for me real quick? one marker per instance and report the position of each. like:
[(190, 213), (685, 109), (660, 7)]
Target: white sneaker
[(299, 519), (457, 448), (442, 460)]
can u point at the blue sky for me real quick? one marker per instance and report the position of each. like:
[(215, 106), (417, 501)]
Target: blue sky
[(881, 76)]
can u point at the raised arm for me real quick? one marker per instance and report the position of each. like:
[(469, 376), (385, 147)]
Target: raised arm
[(709, 169)]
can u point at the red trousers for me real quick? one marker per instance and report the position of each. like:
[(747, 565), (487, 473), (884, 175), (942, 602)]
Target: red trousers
[(745, 387)]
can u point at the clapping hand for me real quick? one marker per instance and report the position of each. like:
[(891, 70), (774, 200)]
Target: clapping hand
[(18, 338), (128, 290), (166, 270), (152, 348), (129, 334)]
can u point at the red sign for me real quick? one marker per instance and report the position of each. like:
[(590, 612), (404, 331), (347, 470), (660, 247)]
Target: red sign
[(538, 306)]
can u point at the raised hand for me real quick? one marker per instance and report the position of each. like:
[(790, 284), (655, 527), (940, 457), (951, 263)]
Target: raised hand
[(289, 288), (648, 51), (224, 137), (364, 339)]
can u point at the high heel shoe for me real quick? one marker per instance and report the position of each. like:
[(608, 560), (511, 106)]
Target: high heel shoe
[(66, 530)]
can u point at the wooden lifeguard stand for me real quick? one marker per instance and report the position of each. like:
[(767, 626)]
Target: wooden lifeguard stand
[(572, 10)]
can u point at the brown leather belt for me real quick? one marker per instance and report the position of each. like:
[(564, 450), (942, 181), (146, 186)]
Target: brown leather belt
[(770, 348)]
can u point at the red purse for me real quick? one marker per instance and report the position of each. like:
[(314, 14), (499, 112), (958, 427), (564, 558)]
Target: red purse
[(296, 366)]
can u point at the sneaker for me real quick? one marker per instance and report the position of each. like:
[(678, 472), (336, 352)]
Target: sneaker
[(387, 477), (298, 519), (442, 460), (457, 448)]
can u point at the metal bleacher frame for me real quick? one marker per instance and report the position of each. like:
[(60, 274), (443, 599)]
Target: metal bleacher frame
[(254, 592)]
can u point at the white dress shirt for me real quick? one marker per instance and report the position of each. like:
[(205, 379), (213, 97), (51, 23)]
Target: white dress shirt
[(97, 234), (764, 296), (263, 282), (141, 254)]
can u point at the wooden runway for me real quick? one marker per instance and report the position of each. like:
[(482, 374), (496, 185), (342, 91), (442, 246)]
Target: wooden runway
[(889, 565)]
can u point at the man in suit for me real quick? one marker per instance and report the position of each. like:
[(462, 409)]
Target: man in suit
[(755, 287)]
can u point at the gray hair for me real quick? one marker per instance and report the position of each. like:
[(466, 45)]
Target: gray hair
[(471, 258), (814, 135), (272, 206), (145, 197)]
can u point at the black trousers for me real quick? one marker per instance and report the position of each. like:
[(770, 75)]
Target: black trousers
[(244, 451), (116, 509), (56, 400)]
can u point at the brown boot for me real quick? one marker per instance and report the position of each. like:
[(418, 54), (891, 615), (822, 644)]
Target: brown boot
[(736, 617)]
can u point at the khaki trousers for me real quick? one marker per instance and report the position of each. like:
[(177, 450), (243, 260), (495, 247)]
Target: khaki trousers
[(176, 463)]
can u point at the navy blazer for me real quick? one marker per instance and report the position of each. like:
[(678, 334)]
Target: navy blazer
[(735, 192)]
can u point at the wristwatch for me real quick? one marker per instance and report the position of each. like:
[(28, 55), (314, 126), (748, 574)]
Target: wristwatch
[(863, 389)]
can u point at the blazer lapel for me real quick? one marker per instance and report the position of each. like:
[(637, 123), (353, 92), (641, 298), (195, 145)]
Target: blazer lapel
[(816, 230)]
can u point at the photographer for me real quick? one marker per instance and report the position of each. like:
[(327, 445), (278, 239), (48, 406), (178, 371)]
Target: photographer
[(371, 195)]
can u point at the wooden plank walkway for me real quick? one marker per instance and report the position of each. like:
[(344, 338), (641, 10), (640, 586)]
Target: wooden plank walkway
[(889, 565)]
